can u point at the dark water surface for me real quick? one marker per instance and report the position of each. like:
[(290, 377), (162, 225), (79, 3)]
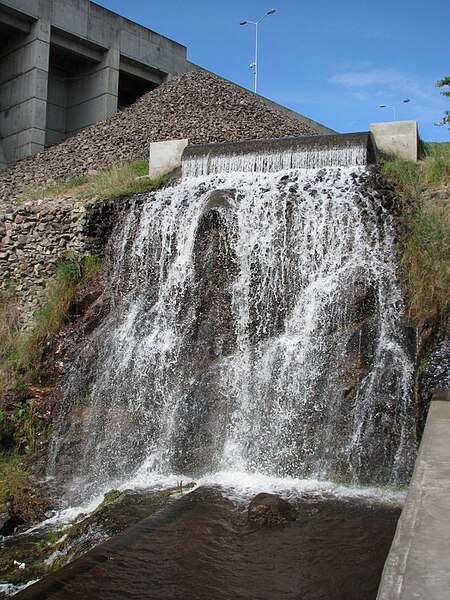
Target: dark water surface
[(203, 547)]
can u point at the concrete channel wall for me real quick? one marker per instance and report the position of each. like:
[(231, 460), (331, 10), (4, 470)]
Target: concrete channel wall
[(65, 64), (418, 564)]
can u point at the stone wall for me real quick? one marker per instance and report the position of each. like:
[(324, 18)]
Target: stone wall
[(35, 235)]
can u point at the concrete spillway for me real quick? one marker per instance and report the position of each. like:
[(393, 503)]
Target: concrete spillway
[(308, 152)]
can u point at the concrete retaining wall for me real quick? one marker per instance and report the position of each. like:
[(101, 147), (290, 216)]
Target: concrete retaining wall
[(396, 138), (165, 156), (418, 564)]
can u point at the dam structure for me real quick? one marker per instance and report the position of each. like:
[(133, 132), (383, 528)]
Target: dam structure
[(254, 341), (255, 327), (65, 64)]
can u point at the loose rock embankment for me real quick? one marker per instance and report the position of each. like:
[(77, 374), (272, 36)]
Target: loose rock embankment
[(197, 105)]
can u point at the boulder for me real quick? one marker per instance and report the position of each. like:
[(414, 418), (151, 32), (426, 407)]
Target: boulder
[(271, 509)]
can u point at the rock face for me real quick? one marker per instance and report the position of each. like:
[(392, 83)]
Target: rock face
[(197, 105), (9, 524), (271, 509)]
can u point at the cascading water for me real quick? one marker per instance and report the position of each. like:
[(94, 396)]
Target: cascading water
[(254, 326)]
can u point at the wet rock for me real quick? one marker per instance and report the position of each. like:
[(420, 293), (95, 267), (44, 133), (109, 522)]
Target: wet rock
[(10, 525), (271, 509)]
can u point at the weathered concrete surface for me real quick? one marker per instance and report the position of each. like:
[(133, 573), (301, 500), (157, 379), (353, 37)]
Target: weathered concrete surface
[(396, 138), (65, 64), (418, 564), (165, 156)]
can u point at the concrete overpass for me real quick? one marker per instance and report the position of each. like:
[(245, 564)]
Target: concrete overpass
[(65, 64)]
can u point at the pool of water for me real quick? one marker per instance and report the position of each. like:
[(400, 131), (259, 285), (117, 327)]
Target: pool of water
[(202, 546)]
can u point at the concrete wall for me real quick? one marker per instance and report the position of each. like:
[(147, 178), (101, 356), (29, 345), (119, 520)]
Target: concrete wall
[(396, 138), (60, 69), (165, 156), (418, 564), (24, 63)]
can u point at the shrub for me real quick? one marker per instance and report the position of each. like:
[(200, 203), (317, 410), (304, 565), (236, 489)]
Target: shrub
[(22, 353), (425, 244)]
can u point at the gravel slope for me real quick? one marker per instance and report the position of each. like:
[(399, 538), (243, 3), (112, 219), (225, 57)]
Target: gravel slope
[(197, 105)]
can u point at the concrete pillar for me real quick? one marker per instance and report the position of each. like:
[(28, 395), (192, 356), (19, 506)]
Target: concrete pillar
[(3, 162), (23, 92), (93, 95)]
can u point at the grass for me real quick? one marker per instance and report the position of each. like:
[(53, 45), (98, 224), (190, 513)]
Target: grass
[(425, 261), (14, 480), (425, 244), (118, 180), (21, 353), (409, 178), (22, 426)]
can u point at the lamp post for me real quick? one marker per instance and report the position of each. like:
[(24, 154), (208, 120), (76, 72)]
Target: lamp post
[(396, 106), (255, 63)]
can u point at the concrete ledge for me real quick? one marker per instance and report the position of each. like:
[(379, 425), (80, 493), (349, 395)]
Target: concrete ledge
[(396, 138), (418, 564), (165, 157)]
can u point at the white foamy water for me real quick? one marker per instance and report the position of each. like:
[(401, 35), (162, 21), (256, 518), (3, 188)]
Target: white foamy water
[(307, 156)]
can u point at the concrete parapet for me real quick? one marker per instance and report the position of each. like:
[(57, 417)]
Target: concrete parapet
[(165, 156), (396, 138), (418, 564)]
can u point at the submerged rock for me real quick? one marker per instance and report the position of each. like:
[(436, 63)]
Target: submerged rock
[(271, 509)]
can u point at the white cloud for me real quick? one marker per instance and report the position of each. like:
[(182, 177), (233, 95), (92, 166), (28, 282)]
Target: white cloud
[(387, 79)]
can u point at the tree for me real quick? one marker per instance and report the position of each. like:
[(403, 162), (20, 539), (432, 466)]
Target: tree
[(443, 83)]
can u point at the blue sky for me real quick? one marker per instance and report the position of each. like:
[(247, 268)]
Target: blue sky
[(333, 61)]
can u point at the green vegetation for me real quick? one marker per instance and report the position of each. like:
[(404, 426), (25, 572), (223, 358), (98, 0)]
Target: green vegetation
[(22, 353), (425, 261), (15, 482), (425, 247), (117, 180), (24, 424), (409, 178), (445, 82)]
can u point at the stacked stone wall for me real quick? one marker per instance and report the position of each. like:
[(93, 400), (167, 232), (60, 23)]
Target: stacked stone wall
[(36, 235)]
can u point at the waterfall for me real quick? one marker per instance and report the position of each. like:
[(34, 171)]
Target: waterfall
[(288, 153), (255, 326)]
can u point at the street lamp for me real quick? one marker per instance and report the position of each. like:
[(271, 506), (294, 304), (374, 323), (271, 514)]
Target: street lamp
[(254, 64), (395, 107)]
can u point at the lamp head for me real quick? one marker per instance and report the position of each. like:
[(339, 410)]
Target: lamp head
[(382, 105), (407, 100), (271, 11), (243, 23)]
